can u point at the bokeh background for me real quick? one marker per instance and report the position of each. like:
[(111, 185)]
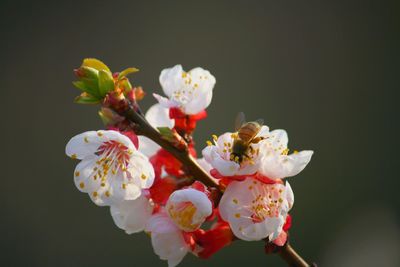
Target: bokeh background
[(326, 71)]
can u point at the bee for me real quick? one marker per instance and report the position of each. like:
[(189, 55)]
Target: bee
[(244, 137)]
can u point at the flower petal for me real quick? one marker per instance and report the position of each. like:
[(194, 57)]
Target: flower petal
[(132, 215), (167, 240), (83, 144), (282, 166), (171, 79), (158, 116)]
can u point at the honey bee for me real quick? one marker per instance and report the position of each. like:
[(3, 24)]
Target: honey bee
[(244, 137)]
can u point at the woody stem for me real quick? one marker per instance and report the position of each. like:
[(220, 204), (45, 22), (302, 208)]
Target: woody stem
[(145, 129), (292, 258)]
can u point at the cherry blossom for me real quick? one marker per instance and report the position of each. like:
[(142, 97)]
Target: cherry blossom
[(111, 169), (256, 210), (190, 91), (188, 208), (276, 163), (219, 155)]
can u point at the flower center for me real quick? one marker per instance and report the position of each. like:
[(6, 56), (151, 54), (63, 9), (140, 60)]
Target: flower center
[(182, 214), (266, 206), (113, 156)]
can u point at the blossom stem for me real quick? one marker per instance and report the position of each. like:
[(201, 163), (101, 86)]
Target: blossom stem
[(145, 129), (292, 258)]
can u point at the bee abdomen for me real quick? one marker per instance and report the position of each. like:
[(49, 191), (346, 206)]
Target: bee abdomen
[(248, 131)]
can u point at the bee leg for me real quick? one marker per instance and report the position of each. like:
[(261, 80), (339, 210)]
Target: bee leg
[(257, 140)]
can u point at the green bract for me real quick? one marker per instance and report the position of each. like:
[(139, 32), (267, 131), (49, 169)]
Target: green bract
[(96, 80)]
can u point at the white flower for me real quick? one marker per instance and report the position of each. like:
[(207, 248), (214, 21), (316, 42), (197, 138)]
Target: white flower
[(190, 91), (220, 156), (167, 239), (132, 215), (111, 169), (256, 210), (188, 208), (276, 163), (157, 116)]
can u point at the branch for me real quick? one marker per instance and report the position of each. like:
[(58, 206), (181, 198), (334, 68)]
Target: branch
[(144, 128), (291, 257)]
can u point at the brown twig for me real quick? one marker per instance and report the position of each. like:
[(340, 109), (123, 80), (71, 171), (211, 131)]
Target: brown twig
[(292, 258), (144, 128), (287, 253)]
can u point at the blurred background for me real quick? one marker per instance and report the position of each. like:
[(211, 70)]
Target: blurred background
[(326, 71)]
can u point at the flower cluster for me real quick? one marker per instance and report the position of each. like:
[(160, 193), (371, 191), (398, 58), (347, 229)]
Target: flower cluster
[(148, 188)]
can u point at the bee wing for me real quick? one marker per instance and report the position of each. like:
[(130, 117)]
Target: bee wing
[(240, 120), (260, 121)]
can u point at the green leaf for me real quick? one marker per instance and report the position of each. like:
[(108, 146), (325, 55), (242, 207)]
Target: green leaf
[(166, 133), (90, 78), (86, 99), (127, 71), (81, 85), (106, 82), (96, 64)]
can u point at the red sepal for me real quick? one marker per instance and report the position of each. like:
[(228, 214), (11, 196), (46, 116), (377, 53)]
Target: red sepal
[(211, 241), (225, 180), (162, 189), (183, 122)]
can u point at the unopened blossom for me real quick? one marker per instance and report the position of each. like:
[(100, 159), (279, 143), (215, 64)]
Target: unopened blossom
[(167, 239), (157, 116), (111, 169), (132, 215), (256, 210), (190, 91), (188, 208), (276, 162), (219, 154)]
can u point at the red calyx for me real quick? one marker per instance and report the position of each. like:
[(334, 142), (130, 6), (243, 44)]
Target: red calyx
[(211, 241), (183, 122), (162, 189), (225, 180)]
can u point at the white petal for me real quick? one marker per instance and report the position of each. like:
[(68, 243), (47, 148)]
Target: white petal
[(161, 223), (147, 146), (235, 197), (199, 102), (224, 166), (141, 171), (167, 240), (282, 166), (158, 116), (198, 198), (132, 215), (170, 247), (278, 139), (165, 102), (83, 145), (289, 195), (264, 131), (83, 175), (204, 164), (171, 79)]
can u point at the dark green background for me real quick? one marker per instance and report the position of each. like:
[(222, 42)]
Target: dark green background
[(326, 71)]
